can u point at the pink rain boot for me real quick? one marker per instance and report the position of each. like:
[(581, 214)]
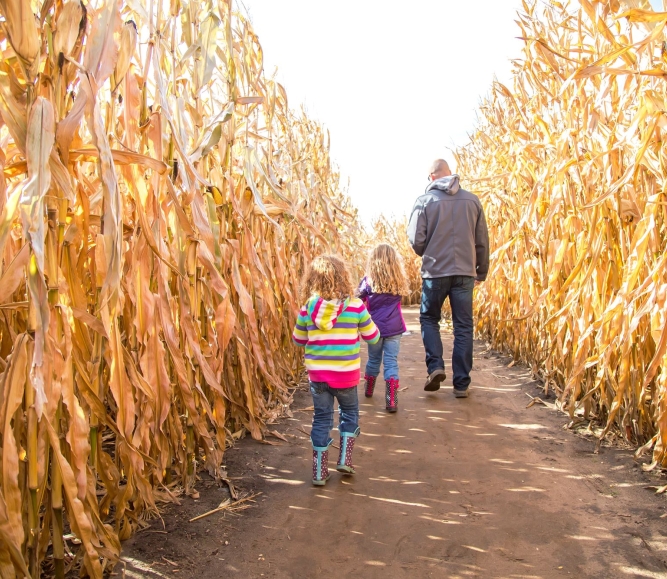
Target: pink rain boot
[(391, 394), (370, 385)]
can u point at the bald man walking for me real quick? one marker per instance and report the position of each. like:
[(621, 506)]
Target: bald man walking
[(447, 230)]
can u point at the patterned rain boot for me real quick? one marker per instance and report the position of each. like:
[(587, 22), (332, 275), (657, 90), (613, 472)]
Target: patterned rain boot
[(346, 447), (321, 465), (370, 385), (391, 394)]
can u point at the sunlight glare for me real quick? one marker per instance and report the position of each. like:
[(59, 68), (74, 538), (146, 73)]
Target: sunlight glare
[(474, 548), (443, 521), (396, 501)]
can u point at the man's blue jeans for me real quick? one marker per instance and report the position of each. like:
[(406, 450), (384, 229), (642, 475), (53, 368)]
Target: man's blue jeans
[(386, 348), (323, 403), (434, 292)]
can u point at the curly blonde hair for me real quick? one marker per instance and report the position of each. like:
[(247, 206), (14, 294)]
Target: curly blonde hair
[(327, 276), (385, 271)]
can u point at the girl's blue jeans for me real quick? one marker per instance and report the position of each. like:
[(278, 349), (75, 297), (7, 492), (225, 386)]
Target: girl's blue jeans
[(323, 403), (388, 349)]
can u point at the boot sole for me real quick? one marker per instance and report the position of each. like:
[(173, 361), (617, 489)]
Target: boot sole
[(393, 409), (433, 384), (345, 469)]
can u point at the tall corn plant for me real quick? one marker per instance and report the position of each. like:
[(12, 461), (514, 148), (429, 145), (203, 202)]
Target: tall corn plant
[(569, 161), (158, 200)]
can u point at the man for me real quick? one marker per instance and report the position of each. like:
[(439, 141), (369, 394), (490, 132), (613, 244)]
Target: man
[(448, 230)]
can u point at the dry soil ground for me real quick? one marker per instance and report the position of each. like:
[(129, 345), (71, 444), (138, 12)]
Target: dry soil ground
[(477, 487)]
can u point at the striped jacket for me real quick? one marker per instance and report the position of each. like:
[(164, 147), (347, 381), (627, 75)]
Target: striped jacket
[(330, 332)]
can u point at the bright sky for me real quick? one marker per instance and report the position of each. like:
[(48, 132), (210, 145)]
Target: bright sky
[(396, 83)]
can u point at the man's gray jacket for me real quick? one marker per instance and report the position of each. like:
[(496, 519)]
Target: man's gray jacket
[(448, 230)]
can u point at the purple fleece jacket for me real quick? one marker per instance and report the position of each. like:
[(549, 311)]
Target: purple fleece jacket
[(385, 310)]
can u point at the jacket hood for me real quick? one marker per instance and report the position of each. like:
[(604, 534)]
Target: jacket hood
[(324, 313), (449, 185)]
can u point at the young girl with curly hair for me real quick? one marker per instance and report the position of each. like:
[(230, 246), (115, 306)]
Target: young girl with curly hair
[(329, 325), (382, 288)]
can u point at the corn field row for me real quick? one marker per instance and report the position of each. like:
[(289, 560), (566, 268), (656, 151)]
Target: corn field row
[(570, 163), (158, 200)]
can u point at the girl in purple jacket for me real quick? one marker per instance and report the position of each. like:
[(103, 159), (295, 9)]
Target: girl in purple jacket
[(381, 290)]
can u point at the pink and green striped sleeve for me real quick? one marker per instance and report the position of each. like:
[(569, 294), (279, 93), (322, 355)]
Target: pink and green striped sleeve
[(367, 328), (300, 334)]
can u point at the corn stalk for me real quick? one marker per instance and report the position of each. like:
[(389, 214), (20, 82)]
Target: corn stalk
[(569, 162), (158, 201)]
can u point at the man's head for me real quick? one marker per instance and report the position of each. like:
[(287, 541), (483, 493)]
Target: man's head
[(439, 169)]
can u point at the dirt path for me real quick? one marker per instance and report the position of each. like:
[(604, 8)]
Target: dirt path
[(477, 487)]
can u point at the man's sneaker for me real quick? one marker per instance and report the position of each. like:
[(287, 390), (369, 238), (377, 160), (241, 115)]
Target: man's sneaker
[(460, 393), (434, 379)]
